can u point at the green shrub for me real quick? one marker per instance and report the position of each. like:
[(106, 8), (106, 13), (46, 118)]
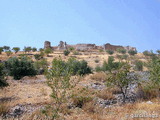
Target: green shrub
[(76, 53), (111, 65), (98, 69), (34, 49), (47, 51), (37, 56), (96, 61), (71, 48), (110, 52), (121, 57), (41, 66), (1, 50), (121, 50), (19, 68), (3, 82), (66, 52), (139, 65), (15, 49), (121, 79), (8, 53), (78, 67), (101, 50), (132, 52)]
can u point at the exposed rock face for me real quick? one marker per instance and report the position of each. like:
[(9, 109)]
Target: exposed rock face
[(111, 47), (47, 44)]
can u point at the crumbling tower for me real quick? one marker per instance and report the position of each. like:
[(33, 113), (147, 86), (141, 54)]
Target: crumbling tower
[(47, 44)]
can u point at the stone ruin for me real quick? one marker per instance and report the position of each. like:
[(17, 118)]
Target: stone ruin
[(47, 44), (111, 47), (86, 47)]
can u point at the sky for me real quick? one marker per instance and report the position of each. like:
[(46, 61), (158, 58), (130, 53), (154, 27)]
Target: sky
[(119, 22)]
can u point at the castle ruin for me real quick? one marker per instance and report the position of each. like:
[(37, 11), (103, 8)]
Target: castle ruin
[(86, 47)]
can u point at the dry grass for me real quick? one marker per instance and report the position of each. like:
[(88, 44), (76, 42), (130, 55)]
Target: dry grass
[(99, 76), (105, 94), (4, 108)]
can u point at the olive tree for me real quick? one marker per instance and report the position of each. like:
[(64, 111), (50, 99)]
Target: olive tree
[(15, 49), (59, 80), (121, 78)]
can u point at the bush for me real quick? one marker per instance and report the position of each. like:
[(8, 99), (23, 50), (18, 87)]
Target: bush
[(121, 78), (1, 50), (3, 82), (78, 67), (132, 52), (37, 56), (19, 68), (121, 57), (8, 53), (47, 51), (34, 49), (96, 61), (111, 65), (41, 66), (139, 65), (76, 53), (121, 50), (110, 52), (58, 79), (16, 49), (66, 52)]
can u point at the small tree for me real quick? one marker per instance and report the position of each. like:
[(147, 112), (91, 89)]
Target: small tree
[(154, 69), (16, 49), (37, 56), (41, 49), (6, 48), (27, 49), (139, 65), (110, 64), (1, 50), (19, 68), (3, 82), (132, 52), (41, 66), (158, 51), (8, 53), (47, 51), (58, 79), (71, 48), (66, 52), (110, 52), (121, 78), (34, 49)]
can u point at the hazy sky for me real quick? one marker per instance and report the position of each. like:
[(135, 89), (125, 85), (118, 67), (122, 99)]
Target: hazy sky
[(120, 22)]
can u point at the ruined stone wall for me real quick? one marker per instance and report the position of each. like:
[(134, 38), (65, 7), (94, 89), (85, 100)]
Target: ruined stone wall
[(47, 44), (112, 47), (85, 46), (63, 46), (129, 48)]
